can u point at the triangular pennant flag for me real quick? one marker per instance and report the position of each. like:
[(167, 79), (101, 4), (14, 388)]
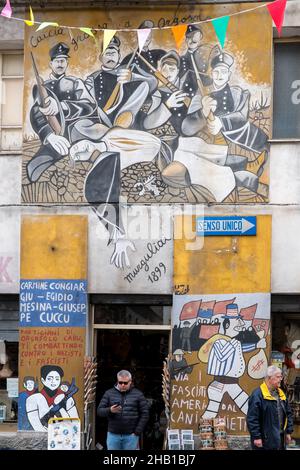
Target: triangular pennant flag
[(7, 11), (179, 32), (277, 10), (46, 24), (31, 21), (142, 37), (87, 31), (108, 34), (220, 26)]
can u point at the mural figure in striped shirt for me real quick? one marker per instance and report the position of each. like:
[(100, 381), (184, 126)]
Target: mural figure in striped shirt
[(226, 362)]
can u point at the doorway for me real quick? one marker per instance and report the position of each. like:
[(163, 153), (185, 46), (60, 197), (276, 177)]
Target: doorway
[(142, 352)]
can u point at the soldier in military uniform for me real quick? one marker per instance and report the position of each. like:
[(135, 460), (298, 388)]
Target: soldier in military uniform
[(229, 106), (68, 100), (197, 57), (118, 93), (174, 113), (151, 55)]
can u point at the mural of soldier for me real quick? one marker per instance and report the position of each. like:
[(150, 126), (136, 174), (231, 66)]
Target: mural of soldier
[(179, 364), (197, 57), (58, 103), (227, 364)]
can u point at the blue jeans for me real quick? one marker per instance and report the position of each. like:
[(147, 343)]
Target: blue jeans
[(122, 441)]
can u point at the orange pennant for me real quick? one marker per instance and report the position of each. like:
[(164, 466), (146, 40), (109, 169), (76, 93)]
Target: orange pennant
[(179, 32)]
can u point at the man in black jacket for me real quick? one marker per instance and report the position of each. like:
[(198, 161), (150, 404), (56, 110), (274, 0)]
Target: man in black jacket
[(127, 412), (269, 416)]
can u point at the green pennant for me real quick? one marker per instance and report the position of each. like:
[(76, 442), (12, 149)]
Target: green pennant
[(220, 26), (87, 31)]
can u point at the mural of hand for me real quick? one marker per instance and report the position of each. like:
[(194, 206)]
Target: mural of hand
[(51, 108), (119, 257), (83, 150), (261, 343), (59, 143), (176, 100)]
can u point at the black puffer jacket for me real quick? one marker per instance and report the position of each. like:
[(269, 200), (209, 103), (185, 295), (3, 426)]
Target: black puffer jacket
[(133, 416)]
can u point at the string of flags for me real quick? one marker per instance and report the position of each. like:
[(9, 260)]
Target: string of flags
[(220, 24)]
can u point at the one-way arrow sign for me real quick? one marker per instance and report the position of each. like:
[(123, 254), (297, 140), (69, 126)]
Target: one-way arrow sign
[(234, 226)]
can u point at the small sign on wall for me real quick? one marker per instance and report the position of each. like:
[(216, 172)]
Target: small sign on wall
[(64, 434)]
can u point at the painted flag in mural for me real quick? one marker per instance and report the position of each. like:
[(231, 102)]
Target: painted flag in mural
[(207, 331), (261, 325), (220, 307), (190, 310), (248, 313), (206, 309)]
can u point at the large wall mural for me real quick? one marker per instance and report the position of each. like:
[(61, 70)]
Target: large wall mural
[(162, 126)]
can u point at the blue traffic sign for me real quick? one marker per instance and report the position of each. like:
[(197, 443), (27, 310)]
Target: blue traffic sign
[(234, 226)]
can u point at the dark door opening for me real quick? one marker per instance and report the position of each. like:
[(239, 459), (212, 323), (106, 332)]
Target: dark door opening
[(142, 353)]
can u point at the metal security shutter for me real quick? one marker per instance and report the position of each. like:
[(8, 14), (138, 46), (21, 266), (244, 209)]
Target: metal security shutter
[(9, 318)]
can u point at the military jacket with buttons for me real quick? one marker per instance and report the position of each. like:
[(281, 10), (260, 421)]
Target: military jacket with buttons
[(102, 83), (233, 110), (74, 102), (201, 58), (159, 113)]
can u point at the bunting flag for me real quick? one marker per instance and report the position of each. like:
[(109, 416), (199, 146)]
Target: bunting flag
[(46, 24), (220, 25), (277, 10), (142, 35), (31, 21), (179, 32), (88, 31), (190, 310), (7, 11), (108, 34)]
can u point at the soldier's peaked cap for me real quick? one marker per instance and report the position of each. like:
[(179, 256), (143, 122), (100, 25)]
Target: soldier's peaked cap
[(222, 59), (147, 24), (114, 43), (191, 29), (171, 56), (59, 50)]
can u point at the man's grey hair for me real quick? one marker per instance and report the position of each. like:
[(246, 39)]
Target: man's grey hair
[(124, 373), (272, 370)]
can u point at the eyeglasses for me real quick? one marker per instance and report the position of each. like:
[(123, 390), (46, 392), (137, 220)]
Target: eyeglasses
[(123, 383)]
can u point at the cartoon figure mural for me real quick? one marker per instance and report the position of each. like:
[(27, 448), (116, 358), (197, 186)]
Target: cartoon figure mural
[(55, 399), (227, 347), (158, 126), (31, 386)]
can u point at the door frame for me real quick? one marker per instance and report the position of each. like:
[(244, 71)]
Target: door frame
[(164, 300)]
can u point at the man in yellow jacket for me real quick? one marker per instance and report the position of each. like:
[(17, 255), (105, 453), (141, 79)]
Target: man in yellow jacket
[(269, 416)]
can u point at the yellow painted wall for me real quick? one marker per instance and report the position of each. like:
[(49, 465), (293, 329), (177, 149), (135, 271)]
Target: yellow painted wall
[(54, 247), (225, 264)]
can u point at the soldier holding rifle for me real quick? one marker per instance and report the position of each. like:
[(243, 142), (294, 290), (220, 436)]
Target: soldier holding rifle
[(58, 103)]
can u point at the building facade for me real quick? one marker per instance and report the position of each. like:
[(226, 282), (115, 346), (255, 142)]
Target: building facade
[(149, 208)]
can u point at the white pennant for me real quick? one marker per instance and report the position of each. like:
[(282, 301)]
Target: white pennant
[(142, 37)]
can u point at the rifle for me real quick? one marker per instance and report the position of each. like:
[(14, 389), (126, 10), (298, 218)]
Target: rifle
[(43, 95), (55, 408), (164, 80), (179, 369)]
